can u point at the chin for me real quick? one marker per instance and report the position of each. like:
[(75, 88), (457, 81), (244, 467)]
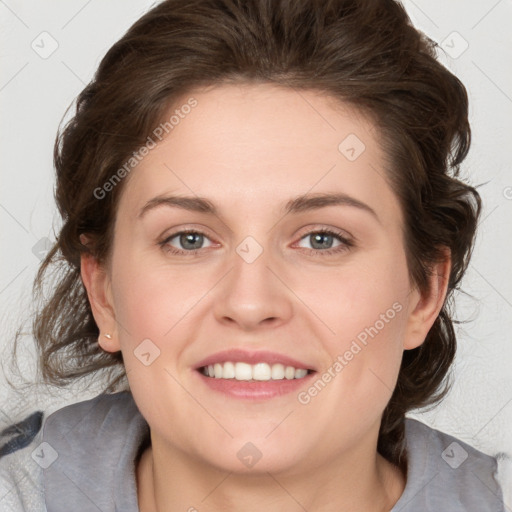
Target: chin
[(257, 456)]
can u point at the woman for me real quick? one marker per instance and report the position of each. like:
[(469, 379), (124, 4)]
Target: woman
[(308, 152)]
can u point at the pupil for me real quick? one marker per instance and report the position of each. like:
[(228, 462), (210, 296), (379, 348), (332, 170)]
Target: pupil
[(319, 237), (189, 238)]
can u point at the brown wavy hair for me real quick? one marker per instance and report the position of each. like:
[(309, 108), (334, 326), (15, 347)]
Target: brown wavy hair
[(365, 53)]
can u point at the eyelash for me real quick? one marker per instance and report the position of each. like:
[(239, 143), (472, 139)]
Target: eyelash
[(346, 244)]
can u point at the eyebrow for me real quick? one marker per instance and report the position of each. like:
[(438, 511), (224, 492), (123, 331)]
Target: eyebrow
[(300, 204)]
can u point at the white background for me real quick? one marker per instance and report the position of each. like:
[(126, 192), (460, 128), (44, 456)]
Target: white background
[(35, 92)]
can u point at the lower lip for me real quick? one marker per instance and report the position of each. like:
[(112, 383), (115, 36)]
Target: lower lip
[(255, 390)]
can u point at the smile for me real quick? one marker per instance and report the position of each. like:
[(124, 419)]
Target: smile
[(257, 372)]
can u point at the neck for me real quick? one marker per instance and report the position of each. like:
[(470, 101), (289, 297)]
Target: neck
[(169, 480)]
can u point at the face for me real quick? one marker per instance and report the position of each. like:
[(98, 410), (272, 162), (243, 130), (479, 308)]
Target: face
[(289, 252)]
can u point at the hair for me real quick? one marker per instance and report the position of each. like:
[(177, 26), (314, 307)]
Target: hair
[(365, 54)]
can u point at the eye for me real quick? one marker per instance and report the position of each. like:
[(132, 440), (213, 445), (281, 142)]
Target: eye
[(325, 242), (189, 242), (322, 242)]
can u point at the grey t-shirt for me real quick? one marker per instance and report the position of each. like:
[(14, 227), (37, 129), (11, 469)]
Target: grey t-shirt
[(86, 456)]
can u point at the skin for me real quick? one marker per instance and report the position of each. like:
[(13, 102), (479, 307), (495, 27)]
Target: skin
[(249, 149)]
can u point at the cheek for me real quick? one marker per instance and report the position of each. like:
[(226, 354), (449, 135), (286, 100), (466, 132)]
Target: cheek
[(364, 307), (365, 299), (150, 297), (155, 307)]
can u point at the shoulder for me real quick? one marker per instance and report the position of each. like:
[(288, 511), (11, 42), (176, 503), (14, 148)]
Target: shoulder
[(118, 407), (55, 462), (93, 441), (20, 467), (446, 473)]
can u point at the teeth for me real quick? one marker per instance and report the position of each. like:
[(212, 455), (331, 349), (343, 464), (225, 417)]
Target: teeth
[(259, 371), (228, 371), (243, 371), (289, 372), (299, 373), (217, 370), (277, 372)]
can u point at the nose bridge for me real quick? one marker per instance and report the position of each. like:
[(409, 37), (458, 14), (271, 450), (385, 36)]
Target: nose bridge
[(251, 293)]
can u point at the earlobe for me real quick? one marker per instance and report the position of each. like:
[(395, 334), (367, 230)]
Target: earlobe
[(426, 306), (97, 284)]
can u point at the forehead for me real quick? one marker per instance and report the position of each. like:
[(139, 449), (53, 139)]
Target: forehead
[(259, 144)]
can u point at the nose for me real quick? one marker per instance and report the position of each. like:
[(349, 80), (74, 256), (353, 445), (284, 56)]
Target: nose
[(253, 295)]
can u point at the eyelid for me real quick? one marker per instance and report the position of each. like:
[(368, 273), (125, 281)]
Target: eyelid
[(346, 239), (165, 239), (187, 228), (319, 228)]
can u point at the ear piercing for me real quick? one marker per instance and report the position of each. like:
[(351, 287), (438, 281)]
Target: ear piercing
[(108, 336)]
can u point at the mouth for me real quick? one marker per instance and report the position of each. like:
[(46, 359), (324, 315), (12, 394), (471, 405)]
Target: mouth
[(246, 375), (258, 372)]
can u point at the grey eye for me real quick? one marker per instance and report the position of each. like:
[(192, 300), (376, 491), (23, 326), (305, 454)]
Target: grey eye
[(188, 241)]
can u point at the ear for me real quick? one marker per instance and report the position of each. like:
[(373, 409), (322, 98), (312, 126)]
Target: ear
[(425, 307), (97, 283)]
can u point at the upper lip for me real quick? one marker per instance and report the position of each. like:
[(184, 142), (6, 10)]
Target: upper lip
[(252, 357)]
